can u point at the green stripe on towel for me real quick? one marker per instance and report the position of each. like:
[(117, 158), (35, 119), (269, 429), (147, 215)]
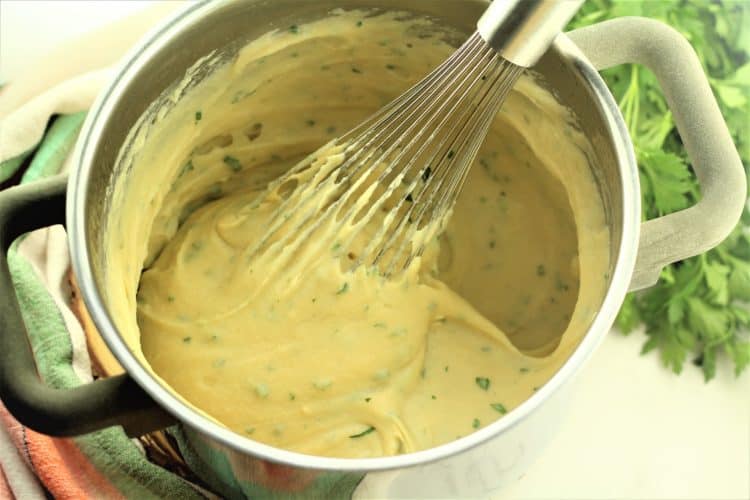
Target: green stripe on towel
[(109, 450), (55, 148), (9, 167)]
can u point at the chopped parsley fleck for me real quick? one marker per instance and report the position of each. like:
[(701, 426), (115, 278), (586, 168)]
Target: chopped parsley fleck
[(483, 383), (356, 70), (187, 340), (249, 430), (359, 24), (363, 433), (540, 270), (523, 369), (323, 383), (499, 408), (188, 167), (242, 94), (451, 154), (261, 390), (476, 423), (310, 123), (367, 400), (561, 285), (198, 116), (343, 288), (336, 246), (398, 332), (434, 397), (294, 29), (445, 369), (409, 198), (482, 199), (390, 66), (233, 163), (492, 244), (423, 372), (170, 298), (254, 131), (292, 397), (426, 174), (214, 192)]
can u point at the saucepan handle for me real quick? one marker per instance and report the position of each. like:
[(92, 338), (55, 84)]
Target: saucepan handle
[(703, 131), (57, 412)]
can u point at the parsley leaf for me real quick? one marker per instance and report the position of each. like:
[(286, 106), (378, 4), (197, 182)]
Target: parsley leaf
[(233, 163), (668, 179), (483, 383), (498, 407), (699, 308)]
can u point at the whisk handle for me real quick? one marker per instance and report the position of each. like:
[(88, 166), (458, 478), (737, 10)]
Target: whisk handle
[(701, 126), (521, 31)]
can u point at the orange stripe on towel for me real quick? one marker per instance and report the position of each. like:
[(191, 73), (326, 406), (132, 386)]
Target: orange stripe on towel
[(65, 470), (59, 464)]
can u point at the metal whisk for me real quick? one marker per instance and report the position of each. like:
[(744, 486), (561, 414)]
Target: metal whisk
[(382, 191)]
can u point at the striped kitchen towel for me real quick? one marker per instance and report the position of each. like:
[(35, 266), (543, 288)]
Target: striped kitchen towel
[(35, 142)]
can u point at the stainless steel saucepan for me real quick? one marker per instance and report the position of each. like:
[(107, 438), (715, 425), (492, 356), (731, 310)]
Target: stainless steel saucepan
[(468, 466)]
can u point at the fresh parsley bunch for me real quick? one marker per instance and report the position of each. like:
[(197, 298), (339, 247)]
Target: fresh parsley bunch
[(699, 308)]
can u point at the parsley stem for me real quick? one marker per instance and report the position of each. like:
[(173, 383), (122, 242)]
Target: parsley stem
[(363, 433)]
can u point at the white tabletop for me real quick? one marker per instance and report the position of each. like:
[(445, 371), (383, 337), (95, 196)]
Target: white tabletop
[(634, 430)]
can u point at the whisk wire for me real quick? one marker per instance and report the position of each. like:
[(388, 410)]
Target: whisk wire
[(400, 171), (450, 175), (421, 124)]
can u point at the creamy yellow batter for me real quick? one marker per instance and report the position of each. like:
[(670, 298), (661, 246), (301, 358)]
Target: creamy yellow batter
[(301, 354)]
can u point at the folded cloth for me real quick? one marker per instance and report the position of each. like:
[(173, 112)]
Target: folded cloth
[(104, 464), (16, 478), (23, 128)]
